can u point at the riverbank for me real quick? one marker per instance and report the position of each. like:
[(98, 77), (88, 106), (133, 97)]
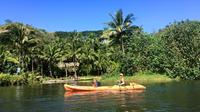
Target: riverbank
[(24, 79), (21, 79), (141, 77)]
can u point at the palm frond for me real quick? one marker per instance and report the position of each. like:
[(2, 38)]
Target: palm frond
[(119, 17), (111, 24), (128, 21)]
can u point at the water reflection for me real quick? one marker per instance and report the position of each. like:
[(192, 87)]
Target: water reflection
[(103, 100), (165, 97)]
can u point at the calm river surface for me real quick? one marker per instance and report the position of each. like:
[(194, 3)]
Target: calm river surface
[(162, 97)]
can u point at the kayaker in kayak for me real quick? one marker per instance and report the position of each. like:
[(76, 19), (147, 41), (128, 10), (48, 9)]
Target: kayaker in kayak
[(122, 80), (74, 81), (96, 83)]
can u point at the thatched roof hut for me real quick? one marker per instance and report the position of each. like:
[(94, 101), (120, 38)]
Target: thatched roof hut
[(68, 65)]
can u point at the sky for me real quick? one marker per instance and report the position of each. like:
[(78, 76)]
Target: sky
[(82, 15)]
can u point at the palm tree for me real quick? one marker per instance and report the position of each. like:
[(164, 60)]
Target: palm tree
[(20, 37), (119, 26), (88, 55), (72, 49), (52, 53), (36, 47), (6, 56)]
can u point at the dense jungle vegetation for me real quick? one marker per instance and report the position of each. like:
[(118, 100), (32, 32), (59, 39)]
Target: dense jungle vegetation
[(122, 47)]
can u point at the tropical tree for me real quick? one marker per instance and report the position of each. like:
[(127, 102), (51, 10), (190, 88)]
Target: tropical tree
[(52, 53), (72, 50), (33, 52), (182, 42), (119, 27), (88, 54), (20, 37), (5, 58)]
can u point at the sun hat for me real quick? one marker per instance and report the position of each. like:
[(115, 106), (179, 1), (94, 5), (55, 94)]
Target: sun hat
[(121, 74)]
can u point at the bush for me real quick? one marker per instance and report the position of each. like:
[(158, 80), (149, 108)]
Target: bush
[(24, 78), (7, 79), (34, 79), (181, 42)]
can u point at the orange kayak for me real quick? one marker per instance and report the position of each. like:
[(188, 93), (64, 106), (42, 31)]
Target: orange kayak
[(132, 86), (80, 93)]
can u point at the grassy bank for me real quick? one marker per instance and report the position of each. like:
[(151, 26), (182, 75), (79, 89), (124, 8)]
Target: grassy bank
[(31, 79), (141, 77), (21, 79)]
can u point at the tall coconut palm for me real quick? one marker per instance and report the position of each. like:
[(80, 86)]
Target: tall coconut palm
[(52, 53), (88, 55), (35, 47), (119, 25), (72, 49)]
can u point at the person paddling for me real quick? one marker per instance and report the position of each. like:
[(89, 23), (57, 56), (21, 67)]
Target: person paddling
[(122, 80)]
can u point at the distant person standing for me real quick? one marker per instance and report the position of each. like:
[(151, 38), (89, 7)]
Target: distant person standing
[(122, 80), (18, 70)]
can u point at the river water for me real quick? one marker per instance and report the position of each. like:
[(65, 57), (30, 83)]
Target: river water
[(160, 97)]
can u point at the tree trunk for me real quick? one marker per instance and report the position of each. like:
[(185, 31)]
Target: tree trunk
[(75, 75), (50, 70), (66, 70), (21, 62), (41, 69), (122, 45), (98, 72), (32, 67), (24, 65)]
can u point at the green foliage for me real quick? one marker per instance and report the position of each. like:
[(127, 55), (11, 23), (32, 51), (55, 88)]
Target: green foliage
[(7, 79), (24, 78), (52, 53), (33, 78), (84, 33), (182, 42), (173, 51), (8, 62), (21, 37)]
